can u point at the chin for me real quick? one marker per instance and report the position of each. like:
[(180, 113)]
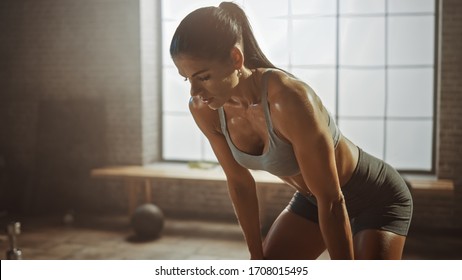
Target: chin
[(214, 107)]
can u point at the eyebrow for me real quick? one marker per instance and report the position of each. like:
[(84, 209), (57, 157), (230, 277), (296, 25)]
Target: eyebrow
[(197, 73)]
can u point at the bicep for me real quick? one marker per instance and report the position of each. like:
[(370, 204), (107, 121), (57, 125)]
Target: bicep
[(302, 122), (316, 158)]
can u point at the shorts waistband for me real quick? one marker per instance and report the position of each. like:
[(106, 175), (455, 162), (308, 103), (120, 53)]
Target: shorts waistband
[(352, 181)]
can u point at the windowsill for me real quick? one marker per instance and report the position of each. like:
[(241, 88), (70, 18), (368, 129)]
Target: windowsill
[(171, 170), (428, 182)]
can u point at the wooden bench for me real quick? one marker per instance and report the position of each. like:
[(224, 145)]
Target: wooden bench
[(138, 179), (429, 183)]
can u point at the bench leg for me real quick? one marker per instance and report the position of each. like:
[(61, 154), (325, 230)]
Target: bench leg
[(132, 187), (132, 190), (147, 191)]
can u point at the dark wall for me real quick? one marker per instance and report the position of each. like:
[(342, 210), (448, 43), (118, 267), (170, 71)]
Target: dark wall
[(70, 99), (450, 110)]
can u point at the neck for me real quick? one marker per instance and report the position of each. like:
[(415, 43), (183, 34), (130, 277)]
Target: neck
[(247, 91)]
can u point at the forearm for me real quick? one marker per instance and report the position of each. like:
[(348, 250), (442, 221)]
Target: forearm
[(245, 204), (336, 230)]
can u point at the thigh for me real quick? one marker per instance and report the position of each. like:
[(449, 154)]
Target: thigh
[(293, 237), (373, 244)]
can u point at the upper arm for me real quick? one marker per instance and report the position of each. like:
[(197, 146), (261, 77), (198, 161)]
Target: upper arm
[(298, 115), (209, 123)]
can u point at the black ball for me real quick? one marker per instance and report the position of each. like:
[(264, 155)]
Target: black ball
[(147, 221)]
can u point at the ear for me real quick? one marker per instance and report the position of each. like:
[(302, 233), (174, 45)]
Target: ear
[(237, 57)]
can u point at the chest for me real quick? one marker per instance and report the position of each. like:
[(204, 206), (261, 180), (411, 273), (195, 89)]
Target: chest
[(248, 130)]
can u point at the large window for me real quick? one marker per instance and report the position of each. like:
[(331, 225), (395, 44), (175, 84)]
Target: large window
[(370, 61)]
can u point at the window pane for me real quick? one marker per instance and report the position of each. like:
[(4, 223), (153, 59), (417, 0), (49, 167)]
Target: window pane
[(409, 144), (168, 29), (208, 153), (362, 41), (314, 7), (178, 9), (176, 95), (259, 9), (181, 138), (272, 36), (411, 6), (410, 92), (362, 6), (411, 40), (367, 134), (323, 83), (270, 30), (313, 41), (362, 92)]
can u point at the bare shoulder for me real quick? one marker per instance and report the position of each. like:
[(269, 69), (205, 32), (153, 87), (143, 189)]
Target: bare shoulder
[(290, 99)]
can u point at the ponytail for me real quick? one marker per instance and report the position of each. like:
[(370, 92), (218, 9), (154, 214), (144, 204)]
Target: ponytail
[(253, 55), (212, 32)]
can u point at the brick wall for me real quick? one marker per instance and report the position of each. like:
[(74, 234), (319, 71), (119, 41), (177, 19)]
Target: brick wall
[(434, 209), (450, 102), (151, 65), (206, 199), (450, 111), (71, 98)]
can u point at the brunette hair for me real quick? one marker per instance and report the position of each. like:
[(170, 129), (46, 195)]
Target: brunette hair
[(211, 33)]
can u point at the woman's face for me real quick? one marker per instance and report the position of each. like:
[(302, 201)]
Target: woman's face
[(212, 81)]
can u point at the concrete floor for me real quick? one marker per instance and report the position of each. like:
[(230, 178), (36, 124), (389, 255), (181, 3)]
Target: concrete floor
[(109, 238)]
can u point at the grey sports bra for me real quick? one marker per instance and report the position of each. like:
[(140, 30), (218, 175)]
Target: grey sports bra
[(279, 159)]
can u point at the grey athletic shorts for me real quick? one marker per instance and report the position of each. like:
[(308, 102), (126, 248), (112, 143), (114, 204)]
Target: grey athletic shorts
[(376, 196)]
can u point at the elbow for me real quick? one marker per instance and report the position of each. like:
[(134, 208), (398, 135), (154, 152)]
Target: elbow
[(338, 203), (339, 200), (335, 205)]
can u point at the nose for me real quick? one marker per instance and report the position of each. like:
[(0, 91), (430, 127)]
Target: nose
[(195, 89)]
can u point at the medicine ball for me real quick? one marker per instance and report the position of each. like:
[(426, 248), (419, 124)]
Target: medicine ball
[(147, 221)]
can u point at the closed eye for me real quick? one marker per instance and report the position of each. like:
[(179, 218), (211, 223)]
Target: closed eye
[(203, 79)]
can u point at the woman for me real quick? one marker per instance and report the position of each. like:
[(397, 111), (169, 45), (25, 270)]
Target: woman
[(256, 116)]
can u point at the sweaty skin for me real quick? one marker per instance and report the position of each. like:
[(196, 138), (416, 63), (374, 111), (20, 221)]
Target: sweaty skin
[(298, 117)]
